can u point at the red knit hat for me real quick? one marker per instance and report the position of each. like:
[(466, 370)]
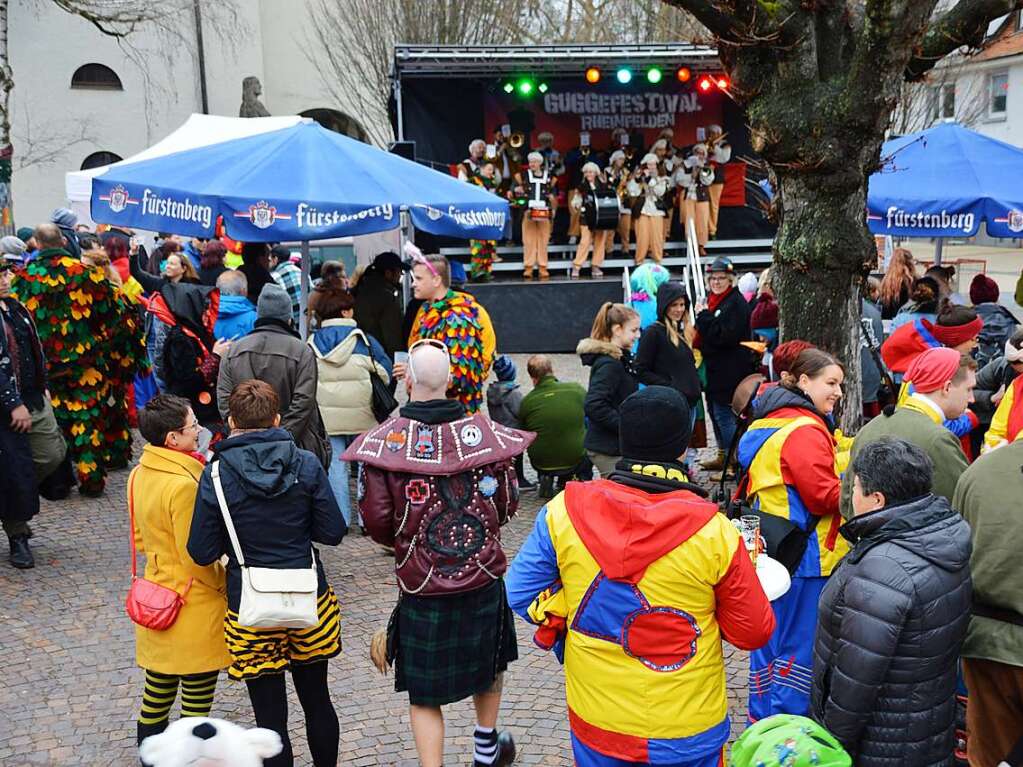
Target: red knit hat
[(983, 290), (953, 335), (784, 356), (933, 369)]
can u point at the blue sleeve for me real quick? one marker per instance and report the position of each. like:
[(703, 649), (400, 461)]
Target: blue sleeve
[(380, 356), (960, 426), (534, 569), (329, 526), (206, 536)]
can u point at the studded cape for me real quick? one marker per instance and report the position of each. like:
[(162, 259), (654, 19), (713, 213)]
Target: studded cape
[(455, 320)]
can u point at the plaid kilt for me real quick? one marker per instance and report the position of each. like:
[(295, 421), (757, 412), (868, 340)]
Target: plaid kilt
[(451, 647)]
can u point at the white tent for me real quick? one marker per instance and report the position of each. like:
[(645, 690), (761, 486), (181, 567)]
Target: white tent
[(199, 130)]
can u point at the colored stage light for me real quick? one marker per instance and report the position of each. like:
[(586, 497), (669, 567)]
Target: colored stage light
[(683, 74), (525, 87), (624, 76), (723, 82), (654, 75), (593, 75), (705, 84), (542, 87), (508, 88)]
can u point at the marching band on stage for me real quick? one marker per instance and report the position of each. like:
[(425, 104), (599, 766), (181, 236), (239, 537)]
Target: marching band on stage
[(618, 192)]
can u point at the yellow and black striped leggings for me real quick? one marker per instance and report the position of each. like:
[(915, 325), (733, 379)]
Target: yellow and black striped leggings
[(162, 689)]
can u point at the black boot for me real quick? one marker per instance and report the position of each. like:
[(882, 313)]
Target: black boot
[(505, 749), (21, 554), (546, 486), (520, 473)]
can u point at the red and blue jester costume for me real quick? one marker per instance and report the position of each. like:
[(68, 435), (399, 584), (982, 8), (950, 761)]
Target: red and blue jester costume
[(635, 581)]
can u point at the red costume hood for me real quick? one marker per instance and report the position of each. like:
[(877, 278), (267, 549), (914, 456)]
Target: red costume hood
[(626, 529), (903, 346)]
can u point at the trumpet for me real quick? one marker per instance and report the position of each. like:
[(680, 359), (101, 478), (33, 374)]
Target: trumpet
[(517, 140), (712, 141)]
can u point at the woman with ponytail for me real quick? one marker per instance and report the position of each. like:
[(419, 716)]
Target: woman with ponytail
[(612, 379), (789, 455), (925, 298)]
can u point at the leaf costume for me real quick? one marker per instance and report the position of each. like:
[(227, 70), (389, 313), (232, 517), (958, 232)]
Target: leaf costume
[(464, 327), (92, 339)]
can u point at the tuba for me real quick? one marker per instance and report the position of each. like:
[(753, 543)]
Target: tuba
[(706, 175), (517, 140)]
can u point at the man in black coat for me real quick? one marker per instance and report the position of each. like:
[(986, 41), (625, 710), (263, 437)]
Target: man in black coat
[(378, 302), (893, 616)]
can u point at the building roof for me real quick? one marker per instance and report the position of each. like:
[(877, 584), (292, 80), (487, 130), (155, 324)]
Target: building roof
[(549, 60), (1006, 40)]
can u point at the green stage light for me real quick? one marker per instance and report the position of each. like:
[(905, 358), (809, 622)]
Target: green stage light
[(624, 76), (653, 75), (542, 87), (508, 87), (525, 87)]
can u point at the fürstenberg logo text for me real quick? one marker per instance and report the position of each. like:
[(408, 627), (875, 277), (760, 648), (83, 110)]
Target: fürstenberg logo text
[(307, 215), (943, 220), (182, 210), (469, 218)]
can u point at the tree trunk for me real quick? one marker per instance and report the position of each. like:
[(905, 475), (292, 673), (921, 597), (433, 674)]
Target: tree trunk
[(819, 257)]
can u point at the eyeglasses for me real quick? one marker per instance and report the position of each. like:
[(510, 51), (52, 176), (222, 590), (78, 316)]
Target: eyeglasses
[(420, 259), (188, 426), (425, 342)]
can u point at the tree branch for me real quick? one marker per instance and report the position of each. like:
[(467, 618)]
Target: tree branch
[(724, 26), (965, 24)]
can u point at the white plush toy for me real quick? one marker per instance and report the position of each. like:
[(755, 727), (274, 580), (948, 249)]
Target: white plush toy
[(200, 742)]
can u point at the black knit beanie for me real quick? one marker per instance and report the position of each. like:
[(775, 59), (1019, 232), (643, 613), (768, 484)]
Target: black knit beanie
[(654, 425)]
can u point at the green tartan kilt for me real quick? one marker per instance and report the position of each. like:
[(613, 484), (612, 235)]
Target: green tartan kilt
[(448, 648)]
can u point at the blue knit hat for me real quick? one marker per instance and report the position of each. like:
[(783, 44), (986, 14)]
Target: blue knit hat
[(504, 368)]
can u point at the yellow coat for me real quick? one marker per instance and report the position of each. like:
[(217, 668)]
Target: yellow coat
[(164, 487)]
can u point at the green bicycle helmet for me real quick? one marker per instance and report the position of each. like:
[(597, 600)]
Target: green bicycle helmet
[(785, 740)]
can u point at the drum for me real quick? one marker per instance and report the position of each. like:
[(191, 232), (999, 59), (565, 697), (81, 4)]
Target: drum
[(607, 210), (540, 214)]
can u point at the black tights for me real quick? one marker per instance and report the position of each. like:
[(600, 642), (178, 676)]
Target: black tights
[(270, 705)]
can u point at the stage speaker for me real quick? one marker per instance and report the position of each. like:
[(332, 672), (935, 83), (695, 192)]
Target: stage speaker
[(406, 149)]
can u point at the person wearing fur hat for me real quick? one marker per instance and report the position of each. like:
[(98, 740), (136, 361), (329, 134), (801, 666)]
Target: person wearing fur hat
[(538, 183), (504, 399), (999, 322), (648, 188), (634, 580), (612, 378), (694, 178), (943, 381), (589, 190), (274, 352)]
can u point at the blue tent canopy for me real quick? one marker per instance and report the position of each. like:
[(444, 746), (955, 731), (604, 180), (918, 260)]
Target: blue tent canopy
[(943, 182), (298, 183)]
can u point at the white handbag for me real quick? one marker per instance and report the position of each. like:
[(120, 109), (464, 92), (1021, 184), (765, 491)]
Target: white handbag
[(271, 598)]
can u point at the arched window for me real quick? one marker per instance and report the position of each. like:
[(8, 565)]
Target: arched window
[(99, 159), (96, 76)]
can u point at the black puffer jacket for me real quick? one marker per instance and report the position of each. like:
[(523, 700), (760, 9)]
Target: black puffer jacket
[(612, 379), (659, 362), (891, 622), (722, 332)]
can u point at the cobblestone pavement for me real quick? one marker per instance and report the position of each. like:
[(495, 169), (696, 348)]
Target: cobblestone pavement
[(71, 687)]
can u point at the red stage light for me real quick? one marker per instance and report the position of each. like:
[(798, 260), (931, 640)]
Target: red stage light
[(705, 84), (593, 75), (723, 83), (683, 74)]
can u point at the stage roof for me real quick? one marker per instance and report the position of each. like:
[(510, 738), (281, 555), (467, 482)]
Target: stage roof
[(539, 60)]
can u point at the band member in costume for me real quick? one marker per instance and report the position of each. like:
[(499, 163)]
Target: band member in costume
[(575, 159), (592, 188), (720, 155), (471, 165), (666, 165), (538, 183), (617, 175), (648, 187), (694, 178), (484, 251)]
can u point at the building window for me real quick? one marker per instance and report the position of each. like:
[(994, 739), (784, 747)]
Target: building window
[(99, 159), (97, 77), (998, 99), (948, 100)]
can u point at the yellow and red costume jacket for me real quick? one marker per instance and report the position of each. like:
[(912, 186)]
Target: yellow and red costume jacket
[(634, 581), (1007, 422)]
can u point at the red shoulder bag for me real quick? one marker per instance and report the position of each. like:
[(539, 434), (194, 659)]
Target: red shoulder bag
[(149, 604)]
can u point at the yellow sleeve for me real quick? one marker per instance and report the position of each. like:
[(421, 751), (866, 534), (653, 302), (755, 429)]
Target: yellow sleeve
[(996, 434), (182, 504), (489, 339), (903, 393), (413, 335)]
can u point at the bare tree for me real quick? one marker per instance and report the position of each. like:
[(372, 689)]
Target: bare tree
[(949, 91), (820, 82)]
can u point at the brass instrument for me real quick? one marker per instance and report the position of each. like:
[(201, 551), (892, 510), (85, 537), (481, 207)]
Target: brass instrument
[(584, 151), (706, 175), (711, 142), (517, 140)]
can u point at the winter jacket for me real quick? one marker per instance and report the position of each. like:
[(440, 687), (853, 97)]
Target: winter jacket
[(990, 378), (988, 496), (1007, 420), (659, 362), (195, 256), (612, 379), (280, 503), (504, 398), (162, 492), (635, 582), (722, 332), (22, 363), (870, 375), (378, 310), (274, 353), (553, 410), (208, 275), (999, 325), (256, 276), (891, 622), (236, 317), (345, 359), (789, 456), (917, 420), (438, 485)]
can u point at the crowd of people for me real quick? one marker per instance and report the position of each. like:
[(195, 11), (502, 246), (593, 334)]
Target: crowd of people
[(898, 542), (624, 189)]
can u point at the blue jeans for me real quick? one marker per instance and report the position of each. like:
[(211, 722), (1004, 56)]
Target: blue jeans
[(338, 474), (724, 423)]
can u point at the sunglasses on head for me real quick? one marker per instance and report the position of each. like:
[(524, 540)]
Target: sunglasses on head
[(425, 342)]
